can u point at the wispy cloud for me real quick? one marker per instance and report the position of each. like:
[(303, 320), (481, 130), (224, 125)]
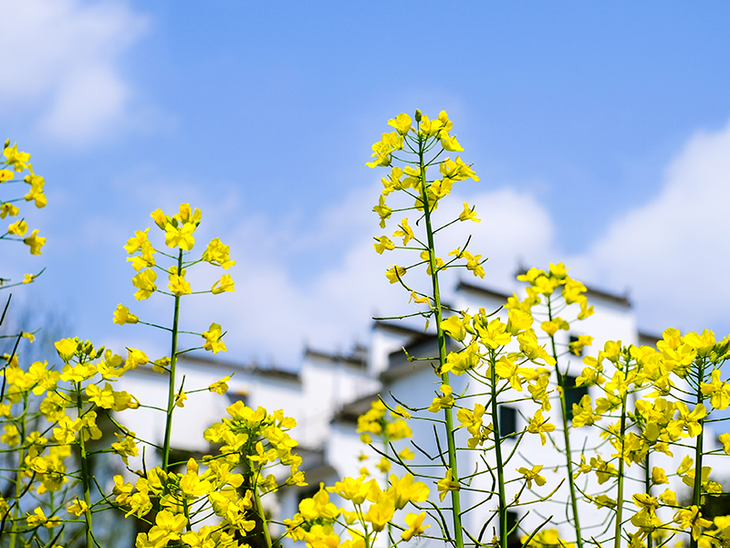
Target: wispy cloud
[(672, 251), (276, 309), (62, 66)]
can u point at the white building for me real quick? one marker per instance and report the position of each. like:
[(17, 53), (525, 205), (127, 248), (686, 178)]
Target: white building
[(329, 391)]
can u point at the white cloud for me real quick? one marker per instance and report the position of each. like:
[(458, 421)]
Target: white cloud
[(672, 251), (62, 58), (276, 310)]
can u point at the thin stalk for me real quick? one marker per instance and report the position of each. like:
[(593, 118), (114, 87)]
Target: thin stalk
[(502, 508), (171, 386), (566, 437), (697, 488), (19, 475), (448, 415), (647, 488), (262, 515), (85, 472), (620, 496)]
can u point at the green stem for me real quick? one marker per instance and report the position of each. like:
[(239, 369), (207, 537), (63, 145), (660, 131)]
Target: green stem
[(448, 415), (262, 515), (566, 437), (620, 496), (502, 508), (647, 488), (697, 488), (19, 475), (85, 476), (171, 386)]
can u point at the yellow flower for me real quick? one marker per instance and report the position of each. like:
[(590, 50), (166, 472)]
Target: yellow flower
[(66, 348), (135, 357), (380, 513), (538, 425), (576, 347), (493, 334), (532, 475), (724, 439), (159, 217), (383, 465), (415, 526), (125, 447), (469, 214), (104, 398), (224, 284), (669, 498), (11, 436), (16, 158), (402, 123), (35, 193), (658, 476), (122, 316), (454, 328), (221, 386), (217, 254), (180, 236), (146, 259), (6, 208), (691, 518), (718, 391), (450, 144), (18, 228), (395, 273), (214, 339), (406, 232), (145, 282), (442, 402), (383, 211), (177, 284), (35, 243), (39, 518), (447, 484), (77, 507), (383, 244)]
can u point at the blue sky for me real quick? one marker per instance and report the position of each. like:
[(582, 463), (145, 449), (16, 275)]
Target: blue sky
[(599, 130)]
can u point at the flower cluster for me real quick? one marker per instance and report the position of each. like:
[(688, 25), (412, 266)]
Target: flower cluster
[(12, 163), (251, 442), (372, 510), (179, 232)]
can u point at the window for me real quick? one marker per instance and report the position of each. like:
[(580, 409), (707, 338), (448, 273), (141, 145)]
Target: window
[(507, 420), (513, 540), (233, 397), (572, 339), (573, 394)]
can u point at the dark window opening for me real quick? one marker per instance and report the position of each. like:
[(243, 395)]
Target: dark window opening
[(513, 538), (233, 397), (507, 420), (573, 394), (574, 339)]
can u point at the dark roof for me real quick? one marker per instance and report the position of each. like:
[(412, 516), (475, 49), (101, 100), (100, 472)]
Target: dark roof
[(485, 292), (648, 339), (404, 368), (396, 328), (621, 300), (356, 359), (349, 412), (251, 369)]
